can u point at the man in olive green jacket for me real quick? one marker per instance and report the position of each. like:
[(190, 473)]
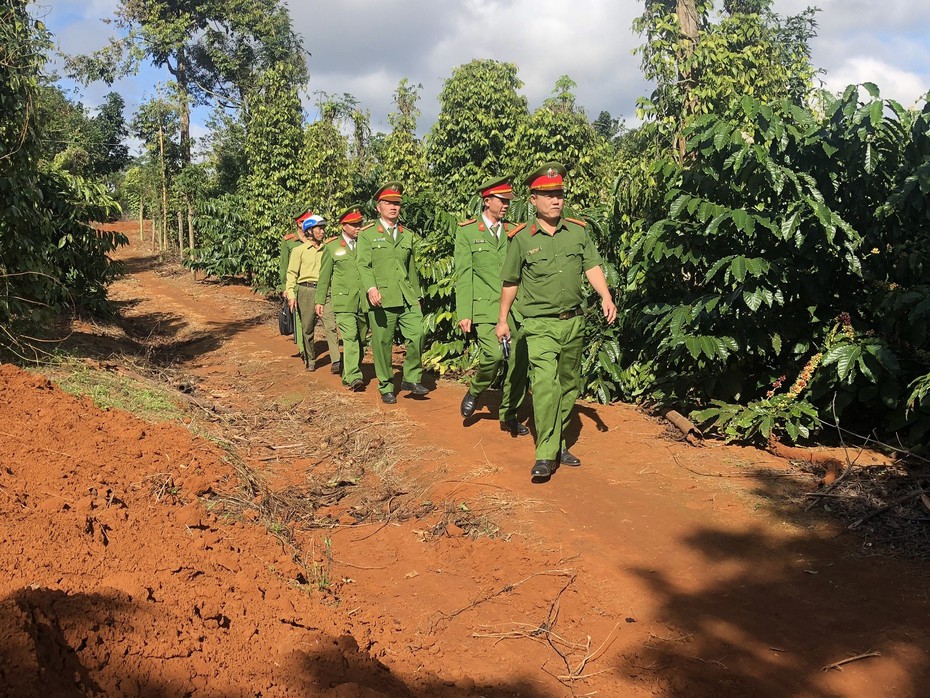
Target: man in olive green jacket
[(387, 266), (339, 274), (303, 273), (480, 248), (544, 271)]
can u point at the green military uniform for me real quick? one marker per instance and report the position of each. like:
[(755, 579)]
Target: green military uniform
[(339, 274), (289, 242), (303, 273), (386, 262), (479, 256), (548, 270)]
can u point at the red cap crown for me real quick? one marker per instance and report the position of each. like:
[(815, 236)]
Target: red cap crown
[(504, 191), (353, 216)]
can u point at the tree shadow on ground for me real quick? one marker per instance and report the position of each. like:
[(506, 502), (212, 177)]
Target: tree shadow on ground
[(781, 607), (55, 643)]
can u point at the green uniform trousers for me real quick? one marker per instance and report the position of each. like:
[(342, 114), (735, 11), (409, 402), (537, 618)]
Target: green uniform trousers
[(554, 348), (354, 330), (490, 357), (306, 310), (384, 324)]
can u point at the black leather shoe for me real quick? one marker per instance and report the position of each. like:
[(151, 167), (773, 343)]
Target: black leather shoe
[(566, 458), (415, 388), (336, 367), (542, 469), (469, 402), (389, 398), (515, 428), (356, 385)]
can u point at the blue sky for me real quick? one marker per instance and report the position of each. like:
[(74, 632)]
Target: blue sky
[(364, 47)]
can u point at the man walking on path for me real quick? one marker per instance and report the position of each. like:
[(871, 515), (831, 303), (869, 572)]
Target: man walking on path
[(287, 245), (303, 272), (480, 248), (389, 276), (339, 274), (544, 269)]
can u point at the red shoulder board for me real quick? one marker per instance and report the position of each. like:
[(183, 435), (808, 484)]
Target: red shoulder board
[(468, 222), (516, 230), (583, 224), (400, 228)]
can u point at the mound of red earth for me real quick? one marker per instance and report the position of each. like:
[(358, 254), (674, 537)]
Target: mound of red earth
[(118, 582)]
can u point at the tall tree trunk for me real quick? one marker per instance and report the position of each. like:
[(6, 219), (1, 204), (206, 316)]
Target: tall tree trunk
[(181, 234), (190, 230), (184, 108), (687, 13), (141, 220), (164, 186)]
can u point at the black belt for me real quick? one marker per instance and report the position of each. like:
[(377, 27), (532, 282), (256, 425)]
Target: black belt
[(308, 284), (567, 315)]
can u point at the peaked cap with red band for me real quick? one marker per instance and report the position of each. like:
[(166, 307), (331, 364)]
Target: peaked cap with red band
[(353, 214), (549, 177), (499, 187), (391, 191), (302, 217)]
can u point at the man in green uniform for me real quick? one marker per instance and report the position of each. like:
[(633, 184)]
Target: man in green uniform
[(339, 274), (480, 248), (303, 273), (389, 276), (546, 261)]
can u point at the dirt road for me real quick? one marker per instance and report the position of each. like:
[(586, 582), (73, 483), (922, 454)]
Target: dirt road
[(655, 568)]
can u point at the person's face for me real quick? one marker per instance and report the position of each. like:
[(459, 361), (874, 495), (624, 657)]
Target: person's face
[(388, 210), (548, 203), (351, 229), (318, 232), (496, 207)]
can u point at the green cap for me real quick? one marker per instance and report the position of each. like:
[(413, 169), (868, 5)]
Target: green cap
[(498, 186), (353, 214), (546, 178), (389, 191)]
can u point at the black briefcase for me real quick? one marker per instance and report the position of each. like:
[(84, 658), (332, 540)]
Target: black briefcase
[(286, 319)]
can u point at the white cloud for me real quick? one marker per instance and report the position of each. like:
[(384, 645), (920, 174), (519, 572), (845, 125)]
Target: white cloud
[(904, 86)]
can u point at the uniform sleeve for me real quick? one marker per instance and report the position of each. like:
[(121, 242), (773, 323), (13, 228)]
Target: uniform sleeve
[(413, 276), (464, 293), (326, 274), (590, 256), (284, 256), (363, 256), (293, 268), (513, 263)]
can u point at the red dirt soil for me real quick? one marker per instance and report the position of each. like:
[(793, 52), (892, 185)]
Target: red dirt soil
[(655, 568)]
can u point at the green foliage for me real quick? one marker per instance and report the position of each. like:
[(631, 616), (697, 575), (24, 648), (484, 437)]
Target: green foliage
[(276, 177), (50, 257), (475, 134), (749, 50), (402, 155), (224, 247), (325, 160), (559, 130)]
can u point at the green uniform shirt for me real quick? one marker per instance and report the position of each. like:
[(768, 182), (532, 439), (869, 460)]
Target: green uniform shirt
[(303, 267), (479, 256), (339, 274), (549, 268), (388, 265), (284, 257)]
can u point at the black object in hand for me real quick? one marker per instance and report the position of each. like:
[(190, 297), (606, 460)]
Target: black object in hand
[(505, 348)]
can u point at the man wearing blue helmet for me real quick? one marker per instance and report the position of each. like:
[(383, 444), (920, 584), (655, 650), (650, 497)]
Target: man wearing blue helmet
[(303, 273)]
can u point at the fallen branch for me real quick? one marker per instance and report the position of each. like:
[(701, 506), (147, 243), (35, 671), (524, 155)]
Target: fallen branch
[(838, 665), (890, 505), (691, 433)]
